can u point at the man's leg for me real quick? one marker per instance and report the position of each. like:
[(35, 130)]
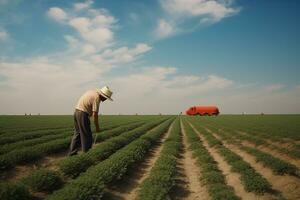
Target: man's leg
[(75, 143), (85, 132)]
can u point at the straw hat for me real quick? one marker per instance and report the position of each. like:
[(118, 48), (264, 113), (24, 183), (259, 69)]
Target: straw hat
[(106, 92)]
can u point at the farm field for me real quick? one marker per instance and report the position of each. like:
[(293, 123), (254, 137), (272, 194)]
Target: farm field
[(229, 157)]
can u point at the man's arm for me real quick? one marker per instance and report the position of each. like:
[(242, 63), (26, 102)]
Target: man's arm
[(96, 122)]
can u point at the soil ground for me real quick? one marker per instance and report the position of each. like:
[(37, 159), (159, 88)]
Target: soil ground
[(288, 186)]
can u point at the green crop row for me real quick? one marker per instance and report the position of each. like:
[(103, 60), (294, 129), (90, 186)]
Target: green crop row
[(43, 180), (273, 127), (12, 138), (23, 132), (163, 173), (29, 154), (259, 133), (277, 165), (73, 166), (4, 140), (251, 180), (211, 175), (10, 191), (90, 185), (21, 144), (293, 151)]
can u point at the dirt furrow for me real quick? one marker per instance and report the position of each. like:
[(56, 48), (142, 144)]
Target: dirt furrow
[(274, 153), (189, 186), (49, 161), (266, 149), (289, 186), (127, 188), (232, 178), (282, 144), (21, 171)]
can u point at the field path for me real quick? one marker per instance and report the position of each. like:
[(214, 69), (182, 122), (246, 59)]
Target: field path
[(188, 185), (127, 187), (232, 178), (289, 186)]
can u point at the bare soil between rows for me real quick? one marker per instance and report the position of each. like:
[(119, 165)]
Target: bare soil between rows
[(232, 178), (127, 187), (289, 186), (20, 171), (188, 185)]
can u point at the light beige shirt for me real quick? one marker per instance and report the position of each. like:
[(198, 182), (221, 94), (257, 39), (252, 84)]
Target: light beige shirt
[(89, 102)]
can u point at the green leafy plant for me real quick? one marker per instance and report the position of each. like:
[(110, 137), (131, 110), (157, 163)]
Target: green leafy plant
[(43, 180), (14, 192)]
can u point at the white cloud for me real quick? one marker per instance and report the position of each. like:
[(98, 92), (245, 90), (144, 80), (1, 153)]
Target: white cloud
[(92, 32), (89, 49), (274, 87), (3, 35), (164, 29), (57, 14), (122, 54), (52, 84), (180, 12), (72, 41), (161, 89), (82, 6), (81, 24), (215, 9), (94, 26), (50, 87), (40, 85)]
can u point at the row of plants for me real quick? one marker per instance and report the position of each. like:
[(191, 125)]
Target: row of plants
[(33, 153), (7, 139), (263, 133), (45, 180), (162, 176), (10, 191), (21, 144), (251, 180), (73, 166), (211, 176), (18, 130), (277, 165), (90, 185), (259, 141), (21, 136), (273, 127)]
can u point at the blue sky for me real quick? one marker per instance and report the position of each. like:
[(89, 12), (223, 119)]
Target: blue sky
[(240, 55)]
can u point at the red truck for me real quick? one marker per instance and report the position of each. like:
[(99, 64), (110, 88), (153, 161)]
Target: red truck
[(203, 110)]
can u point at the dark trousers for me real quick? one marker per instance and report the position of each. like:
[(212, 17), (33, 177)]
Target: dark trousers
[(82, 133)]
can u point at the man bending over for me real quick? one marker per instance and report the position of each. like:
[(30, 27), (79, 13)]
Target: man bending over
[(87, 106)]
